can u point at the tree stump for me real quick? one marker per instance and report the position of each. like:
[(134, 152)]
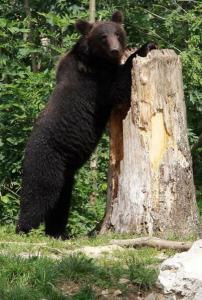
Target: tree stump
[(151, 189)]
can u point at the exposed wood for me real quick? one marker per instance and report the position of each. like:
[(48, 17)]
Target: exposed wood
[(116, 155), (151, 189), (153, 242)]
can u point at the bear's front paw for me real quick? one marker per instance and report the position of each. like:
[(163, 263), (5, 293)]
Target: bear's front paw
[(146, 48), (150, 46), (22, 229)]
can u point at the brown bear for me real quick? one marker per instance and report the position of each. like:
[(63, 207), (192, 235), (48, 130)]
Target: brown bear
[(90, 82)]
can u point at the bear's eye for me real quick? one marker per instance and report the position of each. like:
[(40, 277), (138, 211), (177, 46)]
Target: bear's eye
[(103, 36), (118, 35)]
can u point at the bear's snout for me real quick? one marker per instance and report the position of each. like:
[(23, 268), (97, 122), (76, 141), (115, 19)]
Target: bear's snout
[(114, 44), (115, 52), (114, 47)]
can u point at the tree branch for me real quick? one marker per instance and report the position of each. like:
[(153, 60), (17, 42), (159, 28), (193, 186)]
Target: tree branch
[(153, 242)]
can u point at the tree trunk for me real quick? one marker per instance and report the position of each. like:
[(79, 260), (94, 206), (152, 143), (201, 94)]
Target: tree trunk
[(92, 11), (29, 37), (151, 187)]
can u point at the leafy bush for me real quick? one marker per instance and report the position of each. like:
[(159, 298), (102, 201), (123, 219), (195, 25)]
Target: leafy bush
[(21, 102)]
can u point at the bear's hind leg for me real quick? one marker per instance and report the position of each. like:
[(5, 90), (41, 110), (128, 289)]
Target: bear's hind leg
[(43, 180), (34, 206), (57, 217)]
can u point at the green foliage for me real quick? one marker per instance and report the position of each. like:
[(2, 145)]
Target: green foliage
[(141, 275), (29, 49), (76, 267), (21, 102), (30, 270), (85, 293), (79, 268), (85, 214), (32, 279), (41, 278)]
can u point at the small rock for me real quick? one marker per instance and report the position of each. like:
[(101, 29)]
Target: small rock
[(151, 296), (124, 280), (98, 251), (198, 295), (105, 293), (162, 256), (157, 296), (117, 293)]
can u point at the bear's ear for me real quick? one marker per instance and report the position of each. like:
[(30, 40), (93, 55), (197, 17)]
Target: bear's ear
[(83, 27), (117, 17)]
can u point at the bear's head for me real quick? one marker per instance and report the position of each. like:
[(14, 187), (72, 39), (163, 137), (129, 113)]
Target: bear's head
[(106, 40)]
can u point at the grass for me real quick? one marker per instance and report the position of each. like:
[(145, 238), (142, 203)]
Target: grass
[(43, 278), (28, 278), (141, 275), (37, 267)]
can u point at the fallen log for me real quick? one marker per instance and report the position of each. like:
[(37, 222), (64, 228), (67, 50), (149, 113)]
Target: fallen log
[(153, 242)]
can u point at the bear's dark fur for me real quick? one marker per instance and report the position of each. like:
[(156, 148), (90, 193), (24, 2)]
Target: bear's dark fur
[(90, 81)]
